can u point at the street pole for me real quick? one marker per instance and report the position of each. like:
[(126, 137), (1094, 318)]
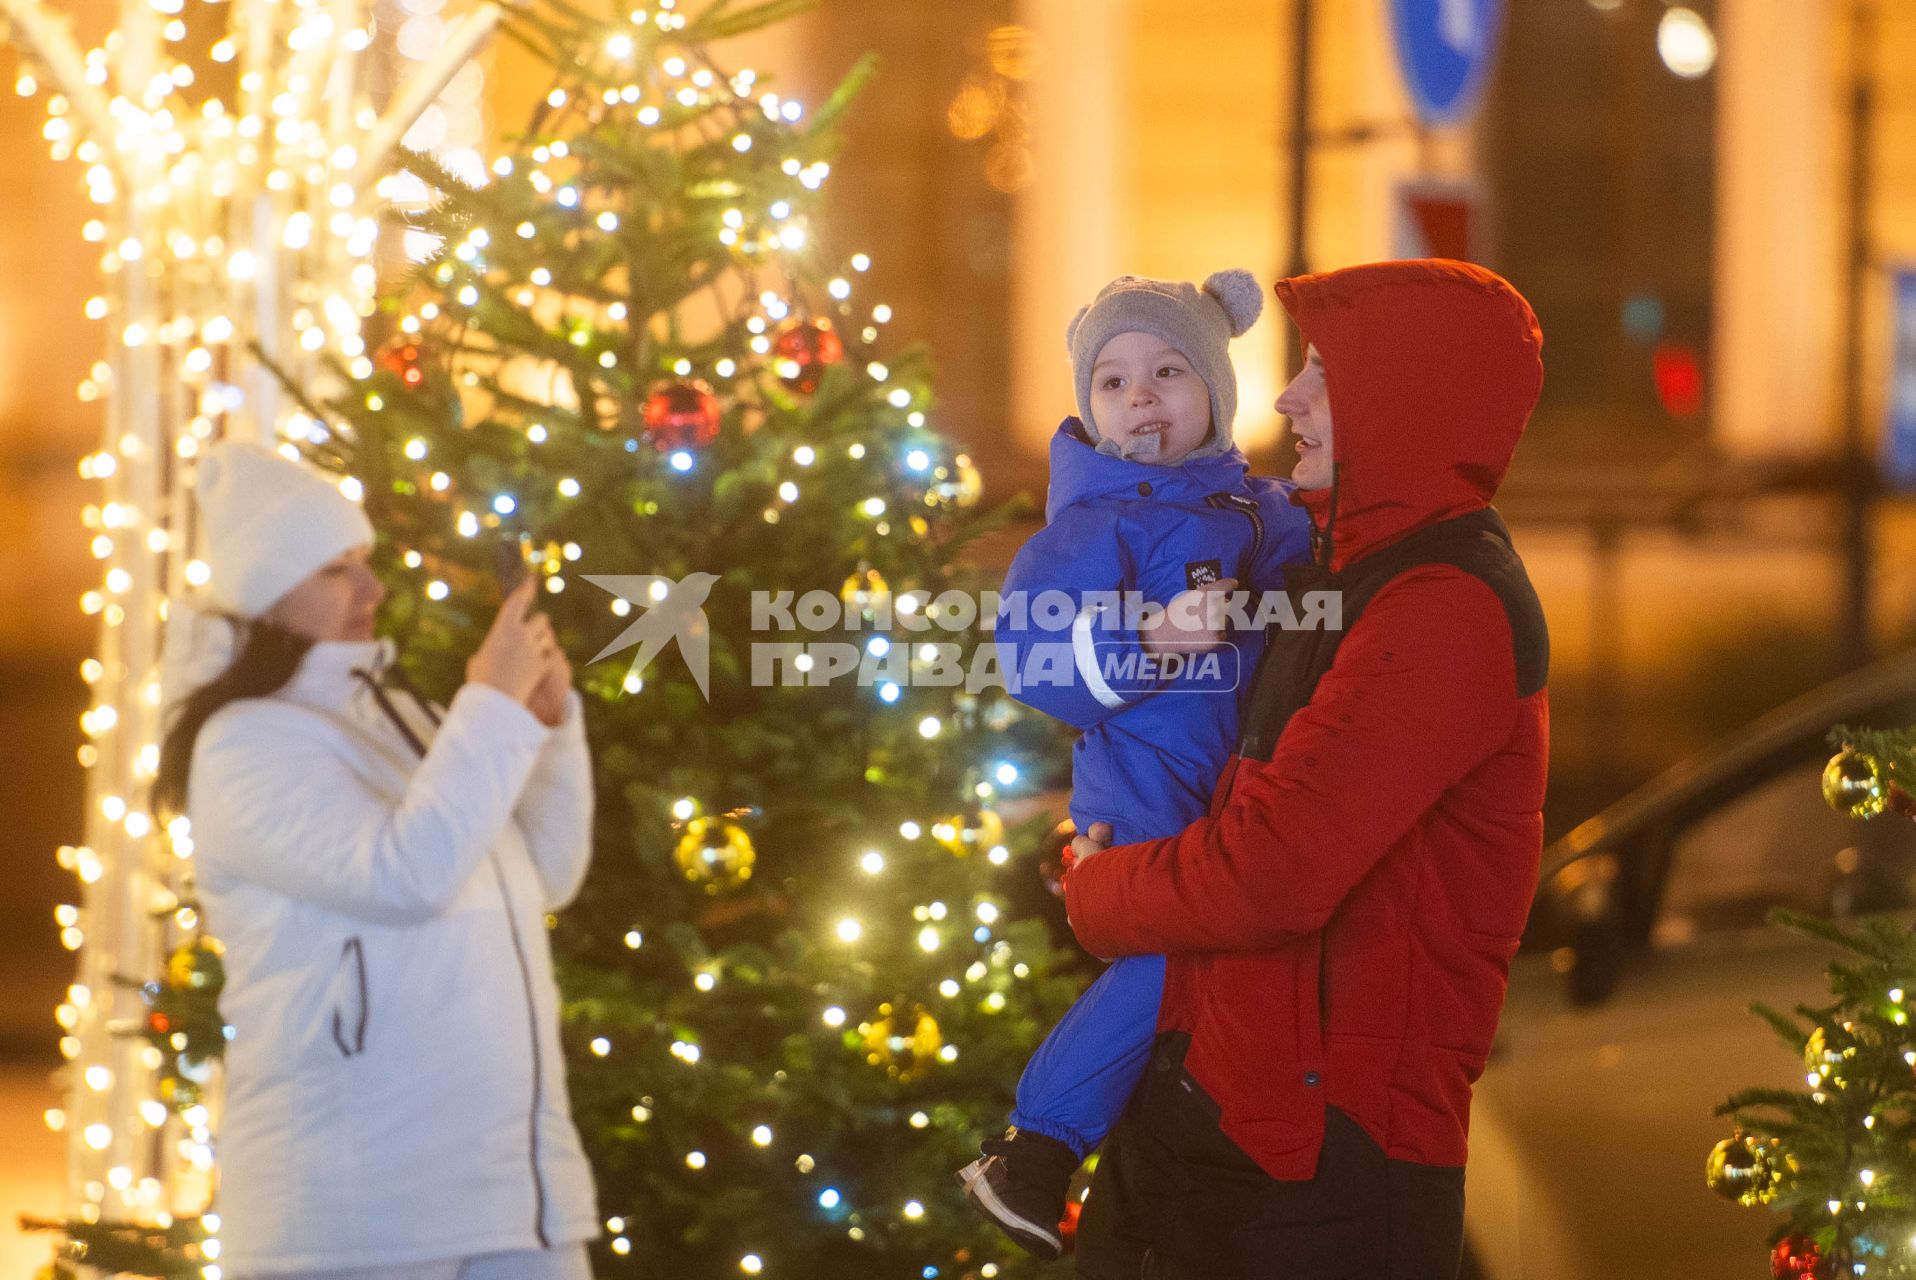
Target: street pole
[(1859, 476), (1291, 356)]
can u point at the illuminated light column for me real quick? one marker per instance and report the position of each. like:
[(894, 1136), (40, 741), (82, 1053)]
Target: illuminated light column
[(1159, 133), (1068, 224), (228, 230), (1778, 272)]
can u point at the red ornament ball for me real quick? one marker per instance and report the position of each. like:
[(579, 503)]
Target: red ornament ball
[(404, 359), (803, 349), (1795, 1258), (1068, 1225), (681, 415)]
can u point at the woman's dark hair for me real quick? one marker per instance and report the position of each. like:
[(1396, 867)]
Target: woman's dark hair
[(267, 658)]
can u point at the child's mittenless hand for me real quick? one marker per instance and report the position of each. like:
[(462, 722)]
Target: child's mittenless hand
[(1193, 621), (1087, 843)]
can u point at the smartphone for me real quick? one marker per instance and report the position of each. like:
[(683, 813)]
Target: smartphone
[(512, 562)]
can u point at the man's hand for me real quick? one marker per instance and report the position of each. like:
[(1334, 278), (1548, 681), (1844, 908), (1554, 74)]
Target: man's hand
[(1089, 843), (1193, 621)]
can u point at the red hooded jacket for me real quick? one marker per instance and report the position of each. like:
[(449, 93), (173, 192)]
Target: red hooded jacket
[(1340, 927)]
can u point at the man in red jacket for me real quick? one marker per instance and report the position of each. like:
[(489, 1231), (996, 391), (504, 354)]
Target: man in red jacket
[(1340, 927)]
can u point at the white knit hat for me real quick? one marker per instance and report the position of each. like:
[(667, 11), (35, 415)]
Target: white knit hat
[(268, 523)]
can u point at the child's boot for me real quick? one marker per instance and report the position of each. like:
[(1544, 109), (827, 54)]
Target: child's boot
[(1020, 1183)]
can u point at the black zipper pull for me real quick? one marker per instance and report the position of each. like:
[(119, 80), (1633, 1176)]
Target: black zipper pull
[(1246, 507)]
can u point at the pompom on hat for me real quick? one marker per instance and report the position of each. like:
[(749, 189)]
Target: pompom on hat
[(268, 523), (1199, 321)]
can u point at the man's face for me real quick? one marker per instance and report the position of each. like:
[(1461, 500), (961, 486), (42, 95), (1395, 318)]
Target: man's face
[(1306, 402), (1148, 399)]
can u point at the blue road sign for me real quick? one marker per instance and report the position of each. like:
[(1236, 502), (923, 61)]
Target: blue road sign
[(1899, 431), (1446, 48)]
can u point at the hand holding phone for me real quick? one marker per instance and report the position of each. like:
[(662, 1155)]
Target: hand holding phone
[(516, 653), (512, 563)]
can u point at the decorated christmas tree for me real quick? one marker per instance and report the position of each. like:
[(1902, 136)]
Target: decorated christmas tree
[(799, 987), (1837, 1159)]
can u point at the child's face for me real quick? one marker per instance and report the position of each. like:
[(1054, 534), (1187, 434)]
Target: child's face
[(1148, 399), (1307, 403)]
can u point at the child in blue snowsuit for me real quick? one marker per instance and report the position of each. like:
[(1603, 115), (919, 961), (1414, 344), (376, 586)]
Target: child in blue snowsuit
[(1149, 496)]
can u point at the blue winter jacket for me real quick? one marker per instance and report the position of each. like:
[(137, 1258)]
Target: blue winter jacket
[(1153, 741)]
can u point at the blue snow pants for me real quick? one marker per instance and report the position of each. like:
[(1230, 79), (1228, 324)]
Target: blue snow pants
[(1077, 1084)]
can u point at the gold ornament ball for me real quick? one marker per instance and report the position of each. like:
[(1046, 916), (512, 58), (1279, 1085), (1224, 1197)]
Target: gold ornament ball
[(716, 853), (903, 1040), (863, 587), (1741, 1169), (1853, 784), (199, 965), (974, 831), (959, 485), (178, 1092), (1824, 1052), (1816, 1050)]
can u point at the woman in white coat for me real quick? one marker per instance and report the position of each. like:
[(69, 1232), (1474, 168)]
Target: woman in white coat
[(379, 870)]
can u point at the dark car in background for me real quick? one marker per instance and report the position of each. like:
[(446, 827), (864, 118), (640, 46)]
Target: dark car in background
[(1627, 1019)]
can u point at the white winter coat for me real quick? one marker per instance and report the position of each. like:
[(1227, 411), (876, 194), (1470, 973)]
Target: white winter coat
[(395, 1088)]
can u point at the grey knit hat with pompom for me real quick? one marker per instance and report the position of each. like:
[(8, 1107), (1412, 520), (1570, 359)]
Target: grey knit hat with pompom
[(1200, 322)]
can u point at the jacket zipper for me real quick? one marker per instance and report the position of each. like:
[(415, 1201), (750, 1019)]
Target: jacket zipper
[(1246, 507), (532, 1016), (356, 951), (519, 954)]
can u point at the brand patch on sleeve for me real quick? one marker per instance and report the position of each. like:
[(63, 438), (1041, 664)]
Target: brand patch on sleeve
[(1202, 573)]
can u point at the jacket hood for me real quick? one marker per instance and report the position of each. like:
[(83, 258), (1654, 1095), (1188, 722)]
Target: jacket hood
[(1079, 473), (1432, 368), (200, 643)]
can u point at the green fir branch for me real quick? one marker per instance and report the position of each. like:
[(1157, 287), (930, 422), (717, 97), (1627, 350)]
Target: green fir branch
[(1814, 926), (1787, 1029), (828, 116), (1787, 1100), (723, 20)]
